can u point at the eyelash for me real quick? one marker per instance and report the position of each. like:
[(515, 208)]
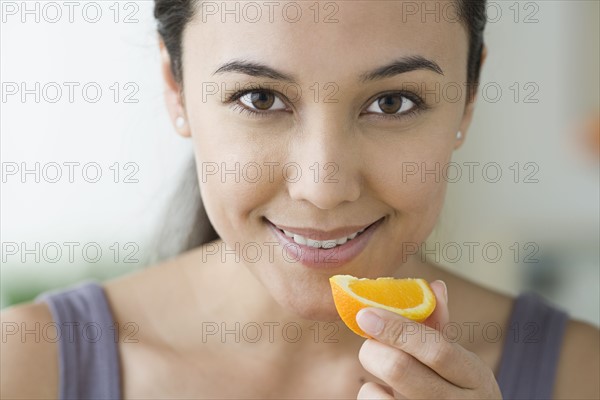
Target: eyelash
[(241, 109), (419, 104)]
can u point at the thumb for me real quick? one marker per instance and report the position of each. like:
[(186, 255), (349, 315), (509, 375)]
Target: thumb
[(441, 315)]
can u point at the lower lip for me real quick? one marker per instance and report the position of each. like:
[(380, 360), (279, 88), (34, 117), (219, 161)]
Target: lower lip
[(324, 258)]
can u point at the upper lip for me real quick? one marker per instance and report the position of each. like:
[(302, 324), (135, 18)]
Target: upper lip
[(320, 235)]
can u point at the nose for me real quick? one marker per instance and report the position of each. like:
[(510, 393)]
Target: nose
[(329, 162)]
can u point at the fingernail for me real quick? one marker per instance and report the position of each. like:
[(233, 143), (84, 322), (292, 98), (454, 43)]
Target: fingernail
[(445, 290), (369, 322)]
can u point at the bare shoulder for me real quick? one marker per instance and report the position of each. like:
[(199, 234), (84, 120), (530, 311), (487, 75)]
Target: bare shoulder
[(150, 305), (26, 355), (579, 363), (579, 359), (156, 310), (154, 288), (146, 304)]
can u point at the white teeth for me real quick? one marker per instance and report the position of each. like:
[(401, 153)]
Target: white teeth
[(313, 243), (328, 244), (341, 241), (325, 244), (299, 239)]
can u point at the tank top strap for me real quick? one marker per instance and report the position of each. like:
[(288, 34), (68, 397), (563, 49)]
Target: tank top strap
[(531, 348), (88, 357)]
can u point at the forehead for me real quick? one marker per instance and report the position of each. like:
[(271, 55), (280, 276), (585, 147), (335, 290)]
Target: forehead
[(324, 40)]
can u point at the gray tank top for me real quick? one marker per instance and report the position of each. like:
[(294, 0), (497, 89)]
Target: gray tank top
[(89, 366)]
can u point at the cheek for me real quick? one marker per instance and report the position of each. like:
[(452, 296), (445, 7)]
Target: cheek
[(410, 176), (234, 178)]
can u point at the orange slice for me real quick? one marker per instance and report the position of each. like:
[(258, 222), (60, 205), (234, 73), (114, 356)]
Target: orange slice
[(411, 298)]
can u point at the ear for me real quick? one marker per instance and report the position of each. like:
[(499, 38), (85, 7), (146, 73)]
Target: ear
[(470, 107), (173, 94)]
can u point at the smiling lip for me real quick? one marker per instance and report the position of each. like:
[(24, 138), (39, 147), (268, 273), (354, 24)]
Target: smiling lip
[(316, 234), (321, 258)]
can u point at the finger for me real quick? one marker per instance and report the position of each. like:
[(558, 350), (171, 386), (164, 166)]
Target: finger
[(426, 344), (404, 373), (372, 390), (441, 315)]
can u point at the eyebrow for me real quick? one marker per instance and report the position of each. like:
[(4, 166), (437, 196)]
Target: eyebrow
[(400, 66), (254, 69)]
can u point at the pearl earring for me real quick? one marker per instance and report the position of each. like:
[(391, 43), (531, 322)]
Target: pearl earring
[(458, 135), (180, 122)]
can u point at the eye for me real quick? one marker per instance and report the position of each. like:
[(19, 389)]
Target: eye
[(262, 100), (395, 103)]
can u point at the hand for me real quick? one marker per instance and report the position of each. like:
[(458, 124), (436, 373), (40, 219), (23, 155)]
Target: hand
[(417, 361)]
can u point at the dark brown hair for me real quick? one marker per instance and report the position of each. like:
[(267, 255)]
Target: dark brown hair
[(172, 17)]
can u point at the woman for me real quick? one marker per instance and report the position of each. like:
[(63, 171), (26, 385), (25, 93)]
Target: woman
[(303, 117)]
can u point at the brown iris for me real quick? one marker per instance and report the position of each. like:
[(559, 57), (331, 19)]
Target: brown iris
[(390, 104), (262, 100)]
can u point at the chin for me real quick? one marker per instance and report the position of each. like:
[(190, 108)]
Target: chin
[(307, 296), (316, 312)]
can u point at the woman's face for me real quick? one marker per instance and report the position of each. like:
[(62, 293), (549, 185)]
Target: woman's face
[(336, 141)]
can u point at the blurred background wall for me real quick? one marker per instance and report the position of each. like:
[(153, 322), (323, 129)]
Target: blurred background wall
[(524, 214)]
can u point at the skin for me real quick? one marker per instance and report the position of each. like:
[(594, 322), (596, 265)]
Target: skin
[(169, 359)]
